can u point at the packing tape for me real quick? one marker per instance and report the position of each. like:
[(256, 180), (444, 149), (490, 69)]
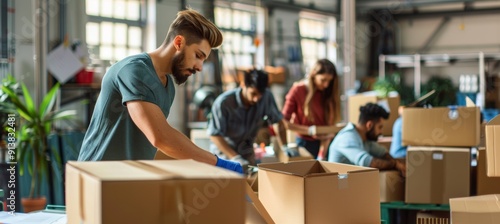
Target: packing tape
[(437, 181), (81, 197), (343, 183), (177, 212), (177, 204)]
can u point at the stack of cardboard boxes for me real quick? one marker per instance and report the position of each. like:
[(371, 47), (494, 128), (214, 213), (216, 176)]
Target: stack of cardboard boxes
[(438, 156), (484, 208)]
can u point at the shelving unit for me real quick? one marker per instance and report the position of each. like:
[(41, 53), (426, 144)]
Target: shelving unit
[(418, 61)]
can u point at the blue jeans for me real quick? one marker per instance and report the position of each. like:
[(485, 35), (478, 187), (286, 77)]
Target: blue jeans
[(311, 146)]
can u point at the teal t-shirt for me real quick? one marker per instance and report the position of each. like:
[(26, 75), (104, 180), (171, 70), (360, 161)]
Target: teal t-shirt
[(112, 135)]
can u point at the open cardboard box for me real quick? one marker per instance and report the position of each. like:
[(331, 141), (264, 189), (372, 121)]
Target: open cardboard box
[(319, 192)]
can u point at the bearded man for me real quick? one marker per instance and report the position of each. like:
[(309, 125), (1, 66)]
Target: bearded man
[(356, 144)]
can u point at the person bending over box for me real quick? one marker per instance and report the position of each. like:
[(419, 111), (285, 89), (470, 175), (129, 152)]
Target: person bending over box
[(356, 144)]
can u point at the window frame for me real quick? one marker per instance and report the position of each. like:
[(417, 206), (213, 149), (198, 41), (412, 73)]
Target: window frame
[(140, 23)]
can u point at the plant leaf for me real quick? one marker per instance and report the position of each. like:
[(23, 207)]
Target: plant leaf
[(20, 107), (60, 115), (30, 106), (49, 100)]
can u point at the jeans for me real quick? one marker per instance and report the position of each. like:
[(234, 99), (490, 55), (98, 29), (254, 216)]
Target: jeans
[(311, 146)]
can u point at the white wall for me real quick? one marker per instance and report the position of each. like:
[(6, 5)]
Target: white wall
[(467, 34), (166, 12), (479, 33)]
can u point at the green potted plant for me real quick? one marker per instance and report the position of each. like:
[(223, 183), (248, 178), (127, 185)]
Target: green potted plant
[(32, 131)]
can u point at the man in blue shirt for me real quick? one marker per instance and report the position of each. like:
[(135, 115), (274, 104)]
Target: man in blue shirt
[(356, 144), (397, 150), (238, 114)]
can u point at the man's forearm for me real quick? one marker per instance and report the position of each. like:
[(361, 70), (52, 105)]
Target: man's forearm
[(223, 146), (300, 129), (383, 164)]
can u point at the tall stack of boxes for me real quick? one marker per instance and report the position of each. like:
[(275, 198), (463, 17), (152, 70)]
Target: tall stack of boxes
[(485, 207), (438, 156)]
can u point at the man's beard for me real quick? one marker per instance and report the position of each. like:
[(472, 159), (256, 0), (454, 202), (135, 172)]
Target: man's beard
[(371, 136), (177, 65)]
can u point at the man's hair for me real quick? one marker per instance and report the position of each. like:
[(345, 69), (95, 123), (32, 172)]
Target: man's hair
[(371, 112), (256, 78), (194, 27)]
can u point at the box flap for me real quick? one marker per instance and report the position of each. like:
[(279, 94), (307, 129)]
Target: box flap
[(469, 102), (151, 170), (494, 121), (431, 148), (478, 204), (190, 169), (296, 168), (331, 167), (118, 171), (257, 205)]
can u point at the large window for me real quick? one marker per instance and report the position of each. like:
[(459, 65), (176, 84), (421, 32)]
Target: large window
[(114, 28), (242, 27), (317, 34)]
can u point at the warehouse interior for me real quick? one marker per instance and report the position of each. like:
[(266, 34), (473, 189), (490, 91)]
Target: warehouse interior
[(434, 66)]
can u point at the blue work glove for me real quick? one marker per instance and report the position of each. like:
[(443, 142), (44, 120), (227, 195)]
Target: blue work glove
[(230, 165)]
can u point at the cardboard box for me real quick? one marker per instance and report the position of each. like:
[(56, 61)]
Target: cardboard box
[(436, 174), (493, 147), (482, 135), (174, 191), (440, 126), (484, 209), (392, 186), (358, 100), (283, 156), (329, 129), (319, 192), (485, 184), (275, 74), (256, 213)]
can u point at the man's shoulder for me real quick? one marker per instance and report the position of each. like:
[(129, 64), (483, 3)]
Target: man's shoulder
[(347, 133), (227, 97), (139, 63)]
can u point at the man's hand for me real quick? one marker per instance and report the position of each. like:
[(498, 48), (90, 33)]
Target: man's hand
[(240, 160), (401, 167), (230, 165)]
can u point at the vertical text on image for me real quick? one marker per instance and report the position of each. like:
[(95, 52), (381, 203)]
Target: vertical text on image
[(12, 162)]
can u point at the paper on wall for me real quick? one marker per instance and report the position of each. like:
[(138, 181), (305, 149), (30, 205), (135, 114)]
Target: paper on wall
[(63, 63)]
